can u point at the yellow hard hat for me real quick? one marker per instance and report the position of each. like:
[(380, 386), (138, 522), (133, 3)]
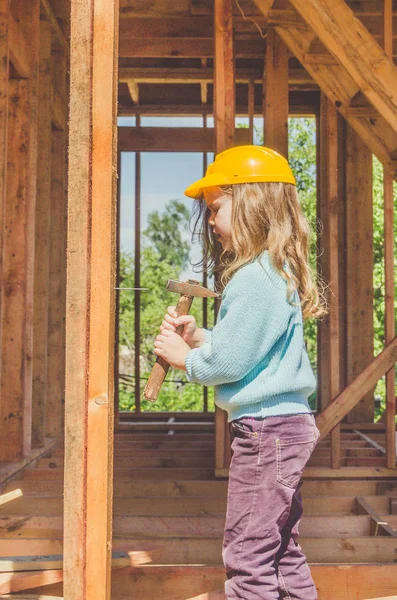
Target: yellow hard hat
[(243, 164)]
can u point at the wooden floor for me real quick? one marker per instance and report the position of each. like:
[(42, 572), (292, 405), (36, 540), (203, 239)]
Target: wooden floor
[(169, 506)]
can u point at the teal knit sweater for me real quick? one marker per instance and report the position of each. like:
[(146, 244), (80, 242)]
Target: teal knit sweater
[(255, 356)]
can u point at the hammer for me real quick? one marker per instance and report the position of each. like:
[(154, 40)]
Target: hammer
[(187, 290)]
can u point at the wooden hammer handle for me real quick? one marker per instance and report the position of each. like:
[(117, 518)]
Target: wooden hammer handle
[(160, 367)]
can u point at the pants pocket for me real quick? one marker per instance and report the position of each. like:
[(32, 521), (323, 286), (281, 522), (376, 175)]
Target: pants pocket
[(292, 454)]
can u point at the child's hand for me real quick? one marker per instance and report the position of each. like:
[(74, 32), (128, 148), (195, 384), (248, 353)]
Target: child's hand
[(170, 346), (191, 334)]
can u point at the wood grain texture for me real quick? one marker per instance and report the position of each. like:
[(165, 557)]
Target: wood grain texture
[(90, 300)]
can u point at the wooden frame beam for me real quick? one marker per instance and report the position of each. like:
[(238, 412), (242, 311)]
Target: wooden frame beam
[(42, 250), (359, 327), (19, 49), (57, 243), (183, 76), (55, 25), (349, 41), (163, 139), (275, 95), (18, 249), (338, 85), (328, 213), (90, 300), (351, 395)]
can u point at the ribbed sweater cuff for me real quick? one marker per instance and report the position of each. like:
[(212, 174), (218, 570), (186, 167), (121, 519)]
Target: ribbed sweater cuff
[(189, 364)]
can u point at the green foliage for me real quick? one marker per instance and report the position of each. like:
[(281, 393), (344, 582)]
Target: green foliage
[(379, 274)]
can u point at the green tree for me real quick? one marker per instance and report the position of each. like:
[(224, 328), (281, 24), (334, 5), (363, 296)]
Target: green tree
[(164, 256)]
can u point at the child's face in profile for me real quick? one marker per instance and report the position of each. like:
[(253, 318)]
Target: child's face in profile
[(220, 219)]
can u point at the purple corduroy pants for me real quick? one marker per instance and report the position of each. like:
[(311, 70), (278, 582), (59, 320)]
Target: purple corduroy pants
[(261, 554)]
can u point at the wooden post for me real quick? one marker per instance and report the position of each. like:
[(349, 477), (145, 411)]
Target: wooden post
[(251, 109), (43, 212), (359, 268), (224, 117), (18, 247), (4, 91), (91, 259), (389, 269), (275, 94), (57, 263), (224, 87), (328, 213)]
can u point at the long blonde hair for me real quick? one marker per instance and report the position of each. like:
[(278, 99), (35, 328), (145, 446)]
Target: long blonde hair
[(265, 216)]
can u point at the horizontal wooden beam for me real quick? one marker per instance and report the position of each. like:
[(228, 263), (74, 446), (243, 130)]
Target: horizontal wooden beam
[(302, 110), (168, 139), (189, 76), (342, 473), (19, 50), (184, 48), (351, 395)]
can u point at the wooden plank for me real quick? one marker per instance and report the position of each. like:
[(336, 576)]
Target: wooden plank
[(4, 94), (388, 220), (340, 88), (351, 395), (359, 281), (224, 105), (9, 470), (349, 41), (275, 95), (13, 564), (334, 582), (55, 25), (329, 329), (379, 525), (42, 251), (58, 110), (163, 139), (164, 75), (183, 48), (139, 473), (19, 48), (90, 300), (18, 252), (224, 82), (16, 582), (57, 240)]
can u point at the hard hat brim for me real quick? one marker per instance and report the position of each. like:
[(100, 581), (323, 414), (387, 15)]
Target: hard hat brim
[(195, 190)]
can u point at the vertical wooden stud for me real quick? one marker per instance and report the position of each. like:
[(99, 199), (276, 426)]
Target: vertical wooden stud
[(4, 91), (224, 86), (18, 248), (91, 259), (329, 329), (389, 268), (359, 255), (224, 118), (43, 212), (275, 90), (251, 109), (57, 263)]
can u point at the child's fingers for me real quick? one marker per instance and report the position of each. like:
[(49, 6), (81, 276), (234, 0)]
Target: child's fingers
[(185, 320), (172, 312)]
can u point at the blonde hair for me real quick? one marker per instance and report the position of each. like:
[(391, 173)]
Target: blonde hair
[(265, 216)]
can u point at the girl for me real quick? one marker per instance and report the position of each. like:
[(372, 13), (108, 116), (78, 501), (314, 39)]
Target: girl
[(256, 358)]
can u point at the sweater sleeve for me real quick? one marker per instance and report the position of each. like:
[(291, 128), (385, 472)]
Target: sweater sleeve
[(207, 334), (254, 314)]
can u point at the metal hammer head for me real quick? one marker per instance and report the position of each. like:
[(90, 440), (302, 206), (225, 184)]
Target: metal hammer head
[(188, 288)]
